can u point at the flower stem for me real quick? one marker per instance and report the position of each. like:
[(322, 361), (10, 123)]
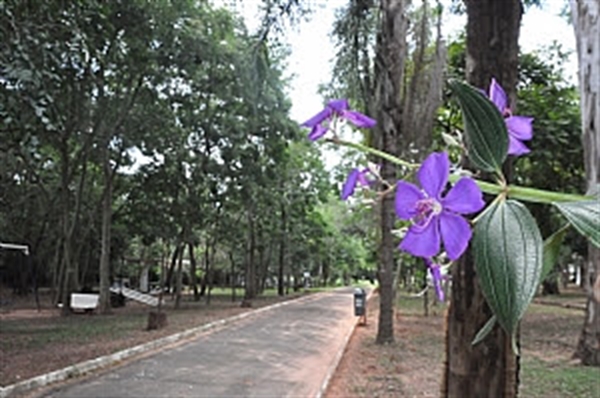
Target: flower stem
[(542, 196), (523, 193), (510, 191), (373, 151)]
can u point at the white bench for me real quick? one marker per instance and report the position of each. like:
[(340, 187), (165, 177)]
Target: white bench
[(84, 301)]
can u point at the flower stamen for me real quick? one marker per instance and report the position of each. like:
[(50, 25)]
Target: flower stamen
[(427, 209)]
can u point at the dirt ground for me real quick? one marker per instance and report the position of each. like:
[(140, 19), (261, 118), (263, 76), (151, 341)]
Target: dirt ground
[(413, 365), (410, 367)]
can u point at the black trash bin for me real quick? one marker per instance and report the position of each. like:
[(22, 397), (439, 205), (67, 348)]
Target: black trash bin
[(360, 302)]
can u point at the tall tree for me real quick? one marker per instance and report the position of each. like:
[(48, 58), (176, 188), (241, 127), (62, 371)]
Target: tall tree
[(402, 88), (586, 20), (389, 77), (489, 369)]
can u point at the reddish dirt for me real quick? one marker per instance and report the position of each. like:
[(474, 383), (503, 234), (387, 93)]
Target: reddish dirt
[(413, 365), (401, 369)]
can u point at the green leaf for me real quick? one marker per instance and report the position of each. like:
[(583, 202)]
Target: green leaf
[(485, 131), (507, 248), (552, 246), (485, 330), (584, 216)]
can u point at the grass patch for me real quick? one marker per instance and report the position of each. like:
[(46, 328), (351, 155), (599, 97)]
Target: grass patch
[(409, 304), (76, 329), (34, 334), (552, 309), (558, 379)]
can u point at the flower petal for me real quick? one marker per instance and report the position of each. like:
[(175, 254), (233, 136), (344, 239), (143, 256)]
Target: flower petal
[(407, 196), (317, 132), (338, 105), (362, 178), (520, 127), (456, 234), (358, 119), (436, 277), (498, 96), (350, 184), (464, 197), (318, 118), (516, 147), (433, 174), (422, 242)]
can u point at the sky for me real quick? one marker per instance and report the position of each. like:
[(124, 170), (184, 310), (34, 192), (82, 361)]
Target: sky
[(312, 49)]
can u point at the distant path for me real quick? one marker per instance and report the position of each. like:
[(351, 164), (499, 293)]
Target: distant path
[(282, 352)]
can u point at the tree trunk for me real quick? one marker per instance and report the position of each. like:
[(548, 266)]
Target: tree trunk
[(67, 276), (489, 369), (586, 21), (550, 287), (104, 302), (261, 272), (325, 273), (179, 277), (193, 266), (206, 265), (389, 75), (280, 281), (250, 274), (209, 269), (232, 278), (169, 278)]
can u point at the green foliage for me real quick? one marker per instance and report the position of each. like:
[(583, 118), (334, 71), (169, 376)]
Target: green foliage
[(349, 243), (584, 216), (561, 379), (485, 131), (177, 104), (355, 30), (552, 246), (507, 248), (485, 330), (556, 147), (544, 93)]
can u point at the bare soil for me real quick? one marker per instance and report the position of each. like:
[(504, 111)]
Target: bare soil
[(409, 367), (412, 366)]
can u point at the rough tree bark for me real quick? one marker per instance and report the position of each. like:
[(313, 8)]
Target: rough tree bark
[(250, 266), (104, 302), (193, 270), (179, 276), (389, 75), (586, 21), (489, 369), (282, 237)]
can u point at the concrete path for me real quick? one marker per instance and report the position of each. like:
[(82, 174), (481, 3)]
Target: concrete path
[(286, 351)]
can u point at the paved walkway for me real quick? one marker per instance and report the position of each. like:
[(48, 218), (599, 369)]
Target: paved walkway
[(286, 351)]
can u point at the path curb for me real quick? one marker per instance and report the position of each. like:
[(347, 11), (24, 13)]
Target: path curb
[(105, 361), (339, 355)]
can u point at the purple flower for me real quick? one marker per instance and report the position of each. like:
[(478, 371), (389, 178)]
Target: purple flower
[(519, 127), (355, 177), (436, 277), (339, 108), (435, 216)]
